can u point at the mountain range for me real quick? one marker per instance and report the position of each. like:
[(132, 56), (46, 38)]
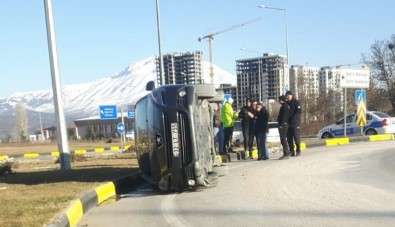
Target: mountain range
[(83, 100)]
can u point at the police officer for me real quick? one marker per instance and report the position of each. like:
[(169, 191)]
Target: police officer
[(282, 120), (293, 134)]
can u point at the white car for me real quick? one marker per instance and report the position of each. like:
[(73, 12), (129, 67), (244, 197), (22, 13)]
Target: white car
[(272, 137), (376, 123)]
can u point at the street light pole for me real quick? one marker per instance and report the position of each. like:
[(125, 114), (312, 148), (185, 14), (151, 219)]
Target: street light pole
[(259, 71), (162, 79), (286, 26), (63, 144)]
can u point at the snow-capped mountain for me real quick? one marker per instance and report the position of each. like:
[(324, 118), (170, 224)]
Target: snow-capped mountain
[(83, 100)]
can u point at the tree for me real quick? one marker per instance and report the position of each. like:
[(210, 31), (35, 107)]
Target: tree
[(381, 61), (21, 122)]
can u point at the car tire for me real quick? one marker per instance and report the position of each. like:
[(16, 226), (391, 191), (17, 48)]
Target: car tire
[(370, 132), (205, 91), (326, 135), (221, 170)]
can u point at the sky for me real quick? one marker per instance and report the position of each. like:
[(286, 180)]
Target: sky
[(99, 38)]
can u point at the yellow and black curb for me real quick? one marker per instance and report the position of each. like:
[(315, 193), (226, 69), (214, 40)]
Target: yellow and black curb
[(73, 214), (55, 154)]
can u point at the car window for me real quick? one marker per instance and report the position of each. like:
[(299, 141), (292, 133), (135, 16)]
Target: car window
[(381, 114), (273, 125), (369, 117), (350, 118)]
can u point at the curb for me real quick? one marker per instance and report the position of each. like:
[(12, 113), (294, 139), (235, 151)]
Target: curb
[(73, 214)]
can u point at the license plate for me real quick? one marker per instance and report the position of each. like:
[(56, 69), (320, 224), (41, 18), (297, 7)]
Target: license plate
[(174, 139)]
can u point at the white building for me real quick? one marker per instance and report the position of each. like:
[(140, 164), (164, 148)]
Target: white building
[(304, 80)]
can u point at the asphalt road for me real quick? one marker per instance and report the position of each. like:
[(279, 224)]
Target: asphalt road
[(350, 185)]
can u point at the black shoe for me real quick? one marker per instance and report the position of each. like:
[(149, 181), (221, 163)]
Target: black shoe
[(298, 153), (259, 159), (229, 160), (284, 157), (265, 158), (293, 154)]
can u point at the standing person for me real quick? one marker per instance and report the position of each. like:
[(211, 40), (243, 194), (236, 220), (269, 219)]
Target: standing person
[(282, 119), (293, 133), (251, 135), (261, 128), (218, 129), (227, 117), (245, 123)]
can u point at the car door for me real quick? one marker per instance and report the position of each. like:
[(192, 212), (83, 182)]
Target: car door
[(338, 128)]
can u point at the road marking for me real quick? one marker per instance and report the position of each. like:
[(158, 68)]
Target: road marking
[(169, 215)]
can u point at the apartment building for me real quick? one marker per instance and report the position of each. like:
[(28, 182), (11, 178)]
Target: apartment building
[(261, 78), (181, 68), (304, 80)]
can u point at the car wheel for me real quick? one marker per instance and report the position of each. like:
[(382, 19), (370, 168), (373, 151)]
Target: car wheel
[(370, 132), (326, 135)]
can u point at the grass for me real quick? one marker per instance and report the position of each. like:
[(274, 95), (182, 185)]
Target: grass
[(37, 191)]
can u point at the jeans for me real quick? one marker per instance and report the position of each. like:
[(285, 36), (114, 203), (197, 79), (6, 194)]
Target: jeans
[(219, 139), (262, 147)]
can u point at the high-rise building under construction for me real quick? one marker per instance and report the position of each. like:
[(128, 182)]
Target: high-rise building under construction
[(181, 68), (262, 78)]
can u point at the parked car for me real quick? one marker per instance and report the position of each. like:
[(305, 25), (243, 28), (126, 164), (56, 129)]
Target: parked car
[(376, 123), (173, 136), (272, 137)]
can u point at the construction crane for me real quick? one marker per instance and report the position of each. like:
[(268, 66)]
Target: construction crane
[(210, 38)]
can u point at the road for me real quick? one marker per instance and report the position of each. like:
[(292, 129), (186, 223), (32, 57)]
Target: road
[(350, 185)]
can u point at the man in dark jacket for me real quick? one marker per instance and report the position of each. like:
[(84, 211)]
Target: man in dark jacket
[(282, 119), (246, 121), (294, 124), (261, 128)]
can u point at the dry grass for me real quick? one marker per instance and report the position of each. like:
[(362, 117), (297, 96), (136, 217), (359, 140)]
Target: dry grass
[(37, 191)]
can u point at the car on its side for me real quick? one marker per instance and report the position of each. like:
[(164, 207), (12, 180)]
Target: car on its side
[(272, 137), (173, 136), (376, 123)]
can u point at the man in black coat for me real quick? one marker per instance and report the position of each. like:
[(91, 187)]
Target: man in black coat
[(293, 134), (282, 120), (261, 128), (247, 121)]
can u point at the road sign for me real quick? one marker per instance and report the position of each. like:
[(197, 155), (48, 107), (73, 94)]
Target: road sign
[(121, 127), (361, 113), (130, 110), (360, 95), (354, 78), (108, 112), (226, 97)]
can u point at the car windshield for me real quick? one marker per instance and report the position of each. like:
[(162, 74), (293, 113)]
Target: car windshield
[(381, 114)]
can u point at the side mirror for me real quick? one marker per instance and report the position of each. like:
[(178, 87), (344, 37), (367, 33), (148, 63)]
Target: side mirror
[(150, 86)]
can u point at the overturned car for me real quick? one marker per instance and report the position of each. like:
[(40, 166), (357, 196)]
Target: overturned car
[(174, 136)]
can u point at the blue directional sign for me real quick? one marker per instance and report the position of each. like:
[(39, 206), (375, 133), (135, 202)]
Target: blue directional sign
[(121, 127), (108, 112), (130, 110), (360, 95)]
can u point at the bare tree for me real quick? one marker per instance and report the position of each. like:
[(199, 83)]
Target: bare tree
[(381, 61), (21, 122)]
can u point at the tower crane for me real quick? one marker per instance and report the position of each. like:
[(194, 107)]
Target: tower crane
[(210, 38)]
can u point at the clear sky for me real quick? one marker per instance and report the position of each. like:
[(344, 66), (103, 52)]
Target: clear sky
[(97, 38)]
